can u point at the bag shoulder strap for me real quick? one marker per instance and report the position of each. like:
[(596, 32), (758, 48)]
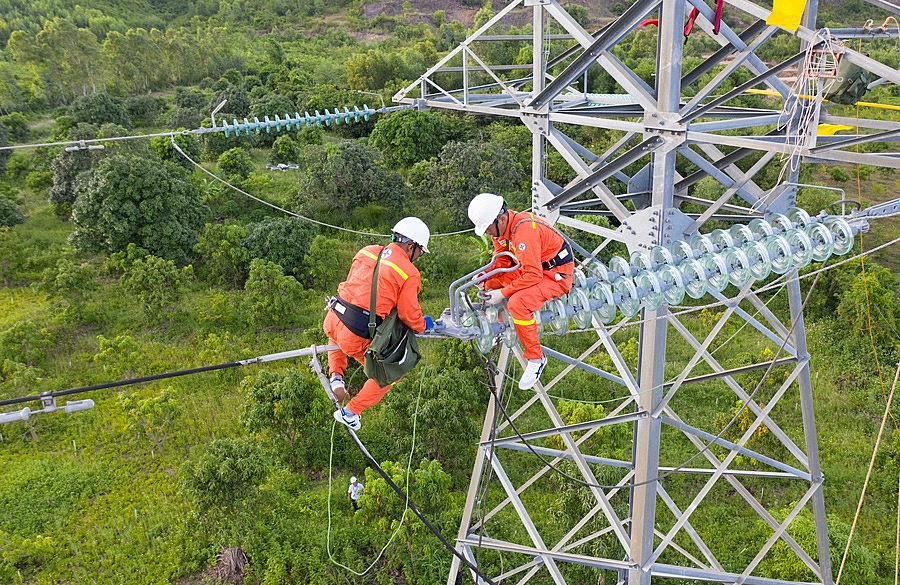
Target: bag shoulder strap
[(373, 296)]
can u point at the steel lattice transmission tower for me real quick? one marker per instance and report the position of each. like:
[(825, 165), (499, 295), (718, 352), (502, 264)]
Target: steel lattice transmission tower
[(639, 526)]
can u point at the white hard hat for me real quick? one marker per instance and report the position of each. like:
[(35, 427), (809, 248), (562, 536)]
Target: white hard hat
[(414, 229), (353, 479), (483, 210)]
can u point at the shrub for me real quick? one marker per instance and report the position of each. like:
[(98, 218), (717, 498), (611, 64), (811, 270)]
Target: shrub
[(224, 471), (236, 162), (157, 283), (10, 213), (282, 240), (272, 297)]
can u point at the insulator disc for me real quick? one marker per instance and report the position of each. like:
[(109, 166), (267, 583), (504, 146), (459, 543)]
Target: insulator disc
[(702, 244), (738, 266), (721, 239), (469, 318), (496, 313), (779, 222), (779, 253), (649, 290), (694, 276), (485, 339), (603, 305), (580, 302), (801, 248), (598, 270), (578, 278), (672, 283), (716, 272), (626, 296), (681, 251), (760, 228), (841, 234), (659, 256), (760, 265), (620, 267), (640, 261), (741, 234), (798, 217), (558, 321), (822, 241)]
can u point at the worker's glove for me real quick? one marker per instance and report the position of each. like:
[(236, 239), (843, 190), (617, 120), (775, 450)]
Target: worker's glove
[(429, 323), (493, 297), (480, 284)]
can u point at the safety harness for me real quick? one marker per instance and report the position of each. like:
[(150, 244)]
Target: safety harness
[(563, 256), (358, 320)]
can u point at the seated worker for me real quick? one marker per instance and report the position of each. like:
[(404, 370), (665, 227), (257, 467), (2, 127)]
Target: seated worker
[(347, 321), (545, 270)]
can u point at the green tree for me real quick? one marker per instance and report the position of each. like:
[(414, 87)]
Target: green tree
[(347, 181), (292, 410), (409, 136), (236, 163), (119, 357), (282, 240), (100, 108), (10, 213), (26, 343), (869, 305), (17, 125), (272, 297), (221, 258), (284, 150), (153, 416), (157, 284), (223, 472), (445, 186), (68, 58), (162, 146), (126, 199)]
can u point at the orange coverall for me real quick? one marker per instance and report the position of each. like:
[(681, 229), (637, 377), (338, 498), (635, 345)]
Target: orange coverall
[(532, 241), (399, 284)]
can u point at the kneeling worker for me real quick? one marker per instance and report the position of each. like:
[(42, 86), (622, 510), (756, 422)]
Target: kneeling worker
[(545, 270), (347, 321)]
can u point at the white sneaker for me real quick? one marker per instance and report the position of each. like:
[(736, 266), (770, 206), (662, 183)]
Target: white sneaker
[(338, 388), (532, 372), (345, 416)]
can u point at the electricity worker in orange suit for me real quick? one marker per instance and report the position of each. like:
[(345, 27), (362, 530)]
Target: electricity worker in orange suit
[(347, 321), (545, 270)]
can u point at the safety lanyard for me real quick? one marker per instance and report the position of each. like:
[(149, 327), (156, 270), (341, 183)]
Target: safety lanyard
[(372, 298)]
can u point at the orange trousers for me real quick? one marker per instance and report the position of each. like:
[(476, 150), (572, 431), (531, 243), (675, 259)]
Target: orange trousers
[(354, 346), (522, 305)]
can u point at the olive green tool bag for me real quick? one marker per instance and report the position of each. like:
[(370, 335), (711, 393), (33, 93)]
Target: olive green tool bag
[(394, 350)]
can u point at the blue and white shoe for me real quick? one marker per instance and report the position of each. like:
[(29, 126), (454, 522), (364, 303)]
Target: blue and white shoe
[(345, 416), (338, 388), (532, 372)]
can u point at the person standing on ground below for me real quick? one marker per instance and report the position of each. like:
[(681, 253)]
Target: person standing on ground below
[(353, 492), (545, 270), (347, 321)]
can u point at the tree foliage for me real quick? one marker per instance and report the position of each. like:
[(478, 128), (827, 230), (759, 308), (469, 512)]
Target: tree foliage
[(10, 213), (272, 297), (126, 200), (408, 136), (347, 181), (157, 284), (236, 163), (463, 169), (282, 240), (291, 410), (224, 471), (222, 260)]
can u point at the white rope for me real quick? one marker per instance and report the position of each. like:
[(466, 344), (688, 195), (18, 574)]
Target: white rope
[(406, 501), (862, 496)]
